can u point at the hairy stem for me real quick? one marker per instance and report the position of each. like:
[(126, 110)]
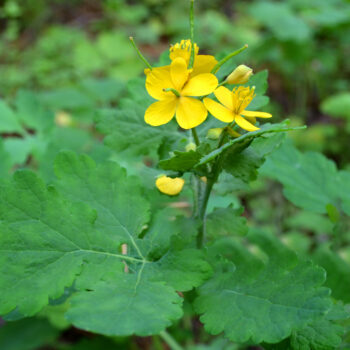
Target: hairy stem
[(173, 344)]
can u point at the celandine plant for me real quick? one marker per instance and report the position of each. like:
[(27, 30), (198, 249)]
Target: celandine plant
[(123, 257)]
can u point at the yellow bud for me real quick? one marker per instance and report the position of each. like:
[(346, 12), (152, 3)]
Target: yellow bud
[(204, 179), (214, 134), (63, 119), (240, 75), (170, 186), (191, 147)]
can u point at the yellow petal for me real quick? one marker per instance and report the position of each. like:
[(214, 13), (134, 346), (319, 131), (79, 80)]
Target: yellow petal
[(170, 186), (255, 114), (161, 112), (157, 80), (203, 64), (244, 124), (179, 73), (190, 112), (219, 111), (225, 96), (200, 85)]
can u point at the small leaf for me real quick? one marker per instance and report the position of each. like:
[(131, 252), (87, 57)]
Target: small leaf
[(181, 161)]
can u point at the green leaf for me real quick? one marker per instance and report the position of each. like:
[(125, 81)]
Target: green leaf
[(8, 120), (243, 165), (338, 272), (310, 180), (145, 307), (181, 269), (52, 242), (27, 334), (181, 161), (259, 81), (68, 98), (321, 334), (246, 139), (39, 248), (31, 112), (103, 90), (261, 300), (106, 189), (337, 105), (226, 222)]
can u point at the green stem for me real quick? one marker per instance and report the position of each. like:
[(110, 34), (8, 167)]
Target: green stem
[(204, 201), (202, 212), (139, 53), (228, 57), (195, 136), (192, 35), (170, 341)]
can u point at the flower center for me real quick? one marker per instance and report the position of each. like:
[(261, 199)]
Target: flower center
[(242, 96)]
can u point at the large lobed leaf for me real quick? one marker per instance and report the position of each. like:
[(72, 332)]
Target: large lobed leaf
[(252, 300), (52, 237)]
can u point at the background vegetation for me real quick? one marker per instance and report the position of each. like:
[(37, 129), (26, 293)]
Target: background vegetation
[(62, 60)]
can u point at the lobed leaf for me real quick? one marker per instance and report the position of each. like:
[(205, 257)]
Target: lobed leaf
[(250, 300)]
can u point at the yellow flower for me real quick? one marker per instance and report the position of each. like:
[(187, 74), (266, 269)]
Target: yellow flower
[(202, 63), (174, 89), (240, 75), (170, 186), (233, 107)]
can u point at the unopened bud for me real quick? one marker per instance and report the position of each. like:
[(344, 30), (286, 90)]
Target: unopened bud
[(240, 75), (191, 147), (214, 134), (170, 186)]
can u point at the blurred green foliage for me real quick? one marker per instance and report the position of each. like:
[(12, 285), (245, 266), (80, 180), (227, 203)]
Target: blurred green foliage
[(63, 61)]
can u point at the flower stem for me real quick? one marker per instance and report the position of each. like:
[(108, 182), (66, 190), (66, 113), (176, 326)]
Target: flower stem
[(139, 53), (170, 341), (204, 201), (192, 35), (195, 136), (224, 60)]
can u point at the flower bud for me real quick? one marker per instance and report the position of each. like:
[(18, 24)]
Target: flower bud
[(240, 75), (170, 186), (191, 147), (214, 134)]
